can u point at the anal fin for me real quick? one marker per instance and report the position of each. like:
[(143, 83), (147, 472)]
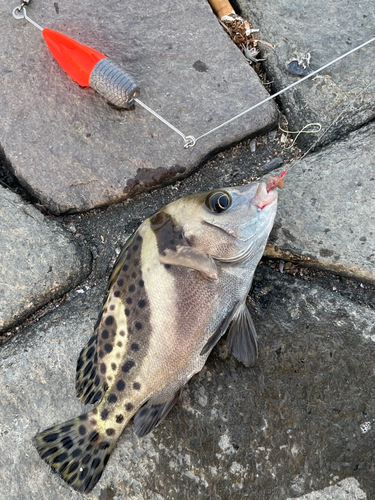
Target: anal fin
[(154, 411), (242, 337)]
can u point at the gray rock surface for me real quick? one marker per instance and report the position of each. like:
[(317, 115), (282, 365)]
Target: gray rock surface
[(326, 213), (302, 420), (72, 150), (348, 489), (326, 30), (39, 260)]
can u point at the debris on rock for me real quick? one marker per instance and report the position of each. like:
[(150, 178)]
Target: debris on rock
[(301, 65)]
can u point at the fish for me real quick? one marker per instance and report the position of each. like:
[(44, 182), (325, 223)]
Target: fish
[(178, 285)]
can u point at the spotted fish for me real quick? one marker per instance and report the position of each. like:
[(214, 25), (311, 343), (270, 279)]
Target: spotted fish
[(178, 285)]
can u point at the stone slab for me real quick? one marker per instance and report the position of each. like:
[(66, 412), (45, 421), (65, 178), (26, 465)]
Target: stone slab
[(40, 261), (326, 212), (302, 420), (73, 151), (348, 489), (326, 30)]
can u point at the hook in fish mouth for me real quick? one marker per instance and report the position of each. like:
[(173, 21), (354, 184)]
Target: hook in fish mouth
[(266, 193)]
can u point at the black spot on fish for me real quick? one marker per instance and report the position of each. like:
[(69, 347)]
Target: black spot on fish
[(139, 238), (87, 369), (135, 248), (103, 368), (113, 366), (95, 463), (92, 340), (125, 268), (109, 320), (111, 308), (106, 458), (101, 354), (74, 477), (129, 407), (86, 459), (141, 283), (128, 366), (138, 326), (134, 347), (63, 467), (136, 262), (122, 333), (127, 312), (90, 352), (110, 432), (51, 437), (104, 414), (131, 288), (87, 482), (83, 417), (120, 385), (103, 446), (67, 442), (61, 458), (142, 303), (73, 467), (136, 386), (76, 452), (82, 430), (112, 398), (105, 387), (108, 348), (49, 452), (66, 428), (129, 256), (120, 282), (117, 293), (129, 300), (83, 473), (119, 418), (97, 397), (134, 275), (97, 381), (167, 266), (119, 344), (93, 436)]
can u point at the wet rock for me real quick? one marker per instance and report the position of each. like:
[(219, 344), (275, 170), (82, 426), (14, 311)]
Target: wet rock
[(73, 151), (301, 421), (326, 213), (293, 30), (39, 260)]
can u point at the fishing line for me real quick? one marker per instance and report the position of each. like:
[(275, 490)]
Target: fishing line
[(335, 120), (117, 86)]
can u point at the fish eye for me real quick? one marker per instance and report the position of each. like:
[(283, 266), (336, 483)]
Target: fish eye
[(218, 202)]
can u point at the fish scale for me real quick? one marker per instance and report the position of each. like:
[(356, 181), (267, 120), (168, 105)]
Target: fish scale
[(179, 284)]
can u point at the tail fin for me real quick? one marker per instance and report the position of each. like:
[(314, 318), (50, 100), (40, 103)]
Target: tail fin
[(76, 451)]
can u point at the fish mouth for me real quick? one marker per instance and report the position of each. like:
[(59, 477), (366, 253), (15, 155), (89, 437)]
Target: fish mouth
[(263, 196)]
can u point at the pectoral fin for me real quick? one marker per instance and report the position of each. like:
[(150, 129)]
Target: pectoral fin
[(154, 411), (192, 258), (242, 337), (214, 339)]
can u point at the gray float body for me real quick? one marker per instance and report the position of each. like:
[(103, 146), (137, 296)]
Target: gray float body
[(114, 83)]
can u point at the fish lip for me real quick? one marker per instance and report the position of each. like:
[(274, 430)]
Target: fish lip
[(263, 198)]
